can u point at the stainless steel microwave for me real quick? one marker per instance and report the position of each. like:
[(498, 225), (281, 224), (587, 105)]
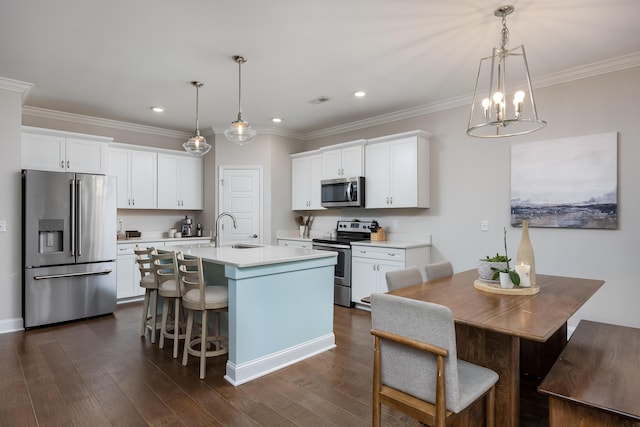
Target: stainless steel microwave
[(342, 192)]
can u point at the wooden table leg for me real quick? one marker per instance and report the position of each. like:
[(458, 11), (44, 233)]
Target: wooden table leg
[(500, 353)]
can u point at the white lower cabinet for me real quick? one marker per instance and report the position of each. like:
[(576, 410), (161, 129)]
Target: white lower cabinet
[(370, 263), (128, 274), (292, 243)]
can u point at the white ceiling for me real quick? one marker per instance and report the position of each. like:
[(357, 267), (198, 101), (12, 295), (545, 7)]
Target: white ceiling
[(115, 59)]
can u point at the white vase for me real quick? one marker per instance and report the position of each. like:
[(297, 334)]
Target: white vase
[(505, 281)]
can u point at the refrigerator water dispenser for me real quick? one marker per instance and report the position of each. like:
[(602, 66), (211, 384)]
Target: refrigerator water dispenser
[(50, 235)]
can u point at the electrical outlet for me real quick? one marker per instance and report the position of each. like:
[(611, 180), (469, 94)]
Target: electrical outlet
[(484, 225), (395, 223), (3, 225)]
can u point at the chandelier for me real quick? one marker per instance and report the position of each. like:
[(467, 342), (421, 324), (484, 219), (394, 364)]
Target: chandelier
[(240, 132), (492, 116), (197, 144)]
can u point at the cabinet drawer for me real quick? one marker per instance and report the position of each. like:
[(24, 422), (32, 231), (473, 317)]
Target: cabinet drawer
[(127, 248), (386, 254)]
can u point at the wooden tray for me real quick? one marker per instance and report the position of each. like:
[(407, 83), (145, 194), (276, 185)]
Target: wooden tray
[(495, 288)]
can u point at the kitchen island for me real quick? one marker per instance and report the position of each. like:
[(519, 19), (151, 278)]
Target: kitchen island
[(280, 304)]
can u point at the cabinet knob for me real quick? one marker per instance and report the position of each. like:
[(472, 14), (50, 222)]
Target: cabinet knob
[(62, 164), (133, 202)]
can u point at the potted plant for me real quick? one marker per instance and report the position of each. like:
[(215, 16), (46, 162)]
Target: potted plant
[(487, 266), (490, 268), (508, 277)]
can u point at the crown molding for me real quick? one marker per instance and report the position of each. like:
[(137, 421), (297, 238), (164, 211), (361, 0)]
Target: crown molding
[(15, 85), (572, 74), (96, 121)]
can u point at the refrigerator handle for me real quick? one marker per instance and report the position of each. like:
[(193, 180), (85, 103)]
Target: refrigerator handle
[(79, 218), (61, 276), (73, 217)]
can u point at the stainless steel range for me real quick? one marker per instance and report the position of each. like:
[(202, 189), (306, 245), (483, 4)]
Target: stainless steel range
[(346, 232)]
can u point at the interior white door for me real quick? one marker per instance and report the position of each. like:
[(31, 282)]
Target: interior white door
[(241, 195)]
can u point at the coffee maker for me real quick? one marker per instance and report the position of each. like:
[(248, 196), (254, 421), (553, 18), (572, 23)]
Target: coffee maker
[(187, 225)]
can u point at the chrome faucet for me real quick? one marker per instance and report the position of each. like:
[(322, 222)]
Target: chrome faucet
[(235, 225)]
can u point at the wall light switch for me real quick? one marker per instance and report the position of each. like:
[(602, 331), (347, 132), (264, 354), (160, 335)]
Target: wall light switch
[(3, 225), (484, 225)]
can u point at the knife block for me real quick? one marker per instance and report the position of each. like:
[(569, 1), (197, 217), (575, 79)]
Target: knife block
[(379, 236)]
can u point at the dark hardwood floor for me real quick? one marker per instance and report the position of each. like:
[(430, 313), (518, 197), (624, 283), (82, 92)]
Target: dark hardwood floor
[(99, 372)]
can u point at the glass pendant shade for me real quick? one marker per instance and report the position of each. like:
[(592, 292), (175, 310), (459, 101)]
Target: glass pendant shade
[(503, 104), (197, 144), (240, 132)]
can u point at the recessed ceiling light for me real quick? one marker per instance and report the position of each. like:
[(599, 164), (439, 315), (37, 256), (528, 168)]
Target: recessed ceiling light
[(359, 93), (157, 109), (277, 120)]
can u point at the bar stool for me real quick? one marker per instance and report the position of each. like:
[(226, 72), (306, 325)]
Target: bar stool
[(169, 288), (149, 283), (205, 299)]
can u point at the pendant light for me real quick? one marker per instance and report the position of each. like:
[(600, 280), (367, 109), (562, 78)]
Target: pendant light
[(491, 115), (240, 132), (197, 144)]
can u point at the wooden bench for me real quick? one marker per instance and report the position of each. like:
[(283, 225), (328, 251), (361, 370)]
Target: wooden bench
[(596, 379)]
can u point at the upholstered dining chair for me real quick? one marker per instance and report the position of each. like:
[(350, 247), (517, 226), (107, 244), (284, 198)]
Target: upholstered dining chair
[(438, 269), (207, 300), (149, 283), (415, 366), (166, 270), (397, 279)]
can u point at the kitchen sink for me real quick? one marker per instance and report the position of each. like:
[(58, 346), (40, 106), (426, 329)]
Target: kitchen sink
[(245, 246)]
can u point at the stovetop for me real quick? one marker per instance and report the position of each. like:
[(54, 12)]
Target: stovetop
[(351, 231)]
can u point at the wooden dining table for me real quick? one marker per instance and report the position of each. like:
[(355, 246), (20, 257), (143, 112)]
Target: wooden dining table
[(490, 326)]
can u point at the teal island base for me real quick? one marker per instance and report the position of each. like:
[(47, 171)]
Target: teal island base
[(279, 312)]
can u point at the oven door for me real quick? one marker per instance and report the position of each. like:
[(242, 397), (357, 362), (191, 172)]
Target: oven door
[(342, 273)]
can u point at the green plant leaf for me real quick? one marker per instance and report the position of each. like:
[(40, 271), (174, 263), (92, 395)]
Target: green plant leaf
[(515, 278)]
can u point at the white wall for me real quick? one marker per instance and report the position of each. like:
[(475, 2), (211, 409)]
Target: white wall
[(10, 210), (471, 181)]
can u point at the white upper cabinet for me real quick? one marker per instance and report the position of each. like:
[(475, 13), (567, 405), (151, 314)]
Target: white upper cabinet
[(180, 182), (136, 172), (58, 151), (346, 161), (307, 171), (397, 171)]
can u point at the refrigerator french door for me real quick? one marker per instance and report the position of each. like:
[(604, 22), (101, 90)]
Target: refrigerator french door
[(69, 246)]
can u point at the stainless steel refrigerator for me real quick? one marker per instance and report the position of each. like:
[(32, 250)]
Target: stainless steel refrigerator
[(69, 246)]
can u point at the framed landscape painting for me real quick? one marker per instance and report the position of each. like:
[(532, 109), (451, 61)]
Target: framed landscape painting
[(566, 183)]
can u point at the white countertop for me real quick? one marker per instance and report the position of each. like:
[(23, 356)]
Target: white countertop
[(392, 244), (251, 257), (162, 239)]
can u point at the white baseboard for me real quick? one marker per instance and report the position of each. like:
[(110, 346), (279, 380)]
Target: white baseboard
[(11, 325), (245, 372)]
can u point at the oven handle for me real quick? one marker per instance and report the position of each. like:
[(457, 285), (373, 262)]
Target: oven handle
[(330, 246)]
